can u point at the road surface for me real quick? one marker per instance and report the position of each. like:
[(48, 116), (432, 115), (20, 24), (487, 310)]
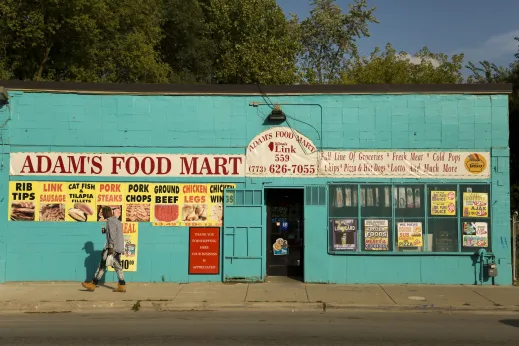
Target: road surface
[(259, 328)]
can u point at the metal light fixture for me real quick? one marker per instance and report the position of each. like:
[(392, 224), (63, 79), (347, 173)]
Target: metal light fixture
[(277, 114)]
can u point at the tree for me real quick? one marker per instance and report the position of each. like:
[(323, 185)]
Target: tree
[(487, 72), (186, 45), (390, 67), (82, 40), (329, 39), (254, 42)]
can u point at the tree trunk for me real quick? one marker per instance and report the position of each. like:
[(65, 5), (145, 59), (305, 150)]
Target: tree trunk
[(37, 77)]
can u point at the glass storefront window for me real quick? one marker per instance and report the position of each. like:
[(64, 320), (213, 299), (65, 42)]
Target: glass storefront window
[(406, 218), (375, 200), (344, 201)]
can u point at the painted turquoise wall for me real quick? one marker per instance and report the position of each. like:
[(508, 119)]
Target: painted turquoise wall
[(226, 124)]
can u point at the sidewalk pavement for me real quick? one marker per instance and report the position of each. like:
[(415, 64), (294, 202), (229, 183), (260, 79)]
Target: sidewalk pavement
[(272, 296)]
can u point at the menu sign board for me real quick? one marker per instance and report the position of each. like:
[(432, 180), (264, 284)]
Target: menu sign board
[(204, 250), (160, 204)]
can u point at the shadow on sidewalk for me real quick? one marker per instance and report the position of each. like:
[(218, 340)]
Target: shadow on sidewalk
[(511, 323), (92, 262)]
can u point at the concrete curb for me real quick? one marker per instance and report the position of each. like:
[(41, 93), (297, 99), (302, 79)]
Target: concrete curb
[(82, 306)]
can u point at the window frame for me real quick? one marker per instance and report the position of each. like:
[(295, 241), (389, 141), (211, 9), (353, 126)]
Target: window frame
[(424, 218)]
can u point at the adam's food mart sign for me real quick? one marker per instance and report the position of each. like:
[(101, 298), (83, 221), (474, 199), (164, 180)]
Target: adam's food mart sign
[(276, 152)]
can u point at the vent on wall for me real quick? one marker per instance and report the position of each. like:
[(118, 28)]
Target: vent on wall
[(316, 195)]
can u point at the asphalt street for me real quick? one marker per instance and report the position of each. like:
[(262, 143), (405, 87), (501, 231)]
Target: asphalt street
[(259, 328)]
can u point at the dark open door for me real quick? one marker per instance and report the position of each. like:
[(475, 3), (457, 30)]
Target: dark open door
[(285, 232)]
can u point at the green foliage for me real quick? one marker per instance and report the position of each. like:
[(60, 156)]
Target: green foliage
[(254, 42), (487, 72), (390, 67), (82, 40), (329, 39)]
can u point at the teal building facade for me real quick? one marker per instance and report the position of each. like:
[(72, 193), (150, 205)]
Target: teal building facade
[(328, 184)]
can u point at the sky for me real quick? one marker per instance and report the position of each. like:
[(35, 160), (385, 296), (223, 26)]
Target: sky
[(482, 29)]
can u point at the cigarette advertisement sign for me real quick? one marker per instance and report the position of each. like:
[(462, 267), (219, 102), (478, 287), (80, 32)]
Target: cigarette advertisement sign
[(376, 235), (344, 234), (475, 234), (204, 250), (475, 204), (443, 203), (131, 247), (160, 204), (409, 234)]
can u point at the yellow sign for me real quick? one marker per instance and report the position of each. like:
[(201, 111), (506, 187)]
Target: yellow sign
[(138, 199), (131, 248), (111, 195), (475, 163), (162, 204), (410, 234), (190, 205), (81, 202), (24, 201), (443, 203), (475, 204)]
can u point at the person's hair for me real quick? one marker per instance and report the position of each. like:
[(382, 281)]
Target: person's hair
[(107, 211)]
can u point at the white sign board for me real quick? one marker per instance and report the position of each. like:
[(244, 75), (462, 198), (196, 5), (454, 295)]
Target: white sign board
[(126, 165), (405, 164), (281, 152)]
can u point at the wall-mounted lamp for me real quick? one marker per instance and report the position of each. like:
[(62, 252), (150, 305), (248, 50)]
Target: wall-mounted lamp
[(277, 114)]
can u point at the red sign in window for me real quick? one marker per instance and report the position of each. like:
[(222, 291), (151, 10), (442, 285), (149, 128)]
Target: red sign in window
[(204, 250)]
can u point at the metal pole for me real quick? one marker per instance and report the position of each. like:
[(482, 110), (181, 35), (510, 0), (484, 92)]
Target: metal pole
[(514, 245)]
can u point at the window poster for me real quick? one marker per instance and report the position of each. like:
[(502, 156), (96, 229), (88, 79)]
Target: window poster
[(475, 204), (376, 235), (443, 203), (475, 234), (409, 234), (344, 234)]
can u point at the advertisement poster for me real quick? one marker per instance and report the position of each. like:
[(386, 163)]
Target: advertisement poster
[(112, 195), (280, 247), (138, 199), (24, 201), (204, 250), (344, 234), (376, 235), (475, 234), (403, 164), (161, 204), (81, 202), (475, 204), (53, 200), (409, 234), (131, 247), (166, 210), (443, 203)]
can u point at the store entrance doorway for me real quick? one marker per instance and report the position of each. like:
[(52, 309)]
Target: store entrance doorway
[(285, 232)]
